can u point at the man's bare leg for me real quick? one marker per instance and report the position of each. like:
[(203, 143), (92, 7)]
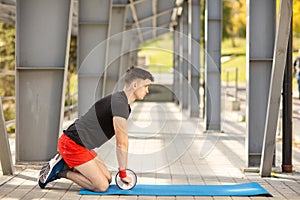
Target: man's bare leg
[(104, 169), (90, 176)]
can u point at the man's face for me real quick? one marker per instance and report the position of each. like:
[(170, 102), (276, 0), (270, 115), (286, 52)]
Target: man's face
[(142, 88)]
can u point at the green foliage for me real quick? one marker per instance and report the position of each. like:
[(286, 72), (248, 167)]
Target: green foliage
[(72, 73), (7, 58), (71, 90), (296, 18), (73, 55), (7, 62), (234, 19), (296, 25), (7, 46)]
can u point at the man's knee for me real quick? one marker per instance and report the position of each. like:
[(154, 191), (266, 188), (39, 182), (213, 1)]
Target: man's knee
[(101, 187)]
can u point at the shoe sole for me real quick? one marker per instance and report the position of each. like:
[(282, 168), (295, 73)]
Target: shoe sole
[(47, 169)]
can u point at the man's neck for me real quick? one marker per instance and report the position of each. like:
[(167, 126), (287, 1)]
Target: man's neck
[(130, 95)]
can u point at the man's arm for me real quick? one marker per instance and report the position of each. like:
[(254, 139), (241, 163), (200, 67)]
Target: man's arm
[(120, 126)]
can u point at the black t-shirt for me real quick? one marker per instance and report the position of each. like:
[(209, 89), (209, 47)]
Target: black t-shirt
[(96, 126)]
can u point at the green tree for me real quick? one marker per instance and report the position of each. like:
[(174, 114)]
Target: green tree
[(7, 46), (234, 19), (296, 24), (7, 62)]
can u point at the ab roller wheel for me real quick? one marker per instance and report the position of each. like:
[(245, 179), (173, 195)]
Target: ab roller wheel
[(126, 186)]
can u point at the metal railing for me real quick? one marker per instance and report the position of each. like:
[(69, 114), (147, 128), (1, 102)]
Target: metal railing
[(236, 76)]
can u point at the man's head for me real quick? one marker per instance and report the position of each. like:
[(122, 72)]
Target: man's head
[(138, 80)]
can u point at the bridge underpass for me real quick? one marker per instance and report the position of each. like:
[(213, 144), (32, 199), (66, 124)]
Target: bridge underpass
[(109, 34)]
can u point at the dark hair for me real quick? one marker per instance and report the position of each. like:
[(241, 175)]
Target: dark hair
[(137, 73)]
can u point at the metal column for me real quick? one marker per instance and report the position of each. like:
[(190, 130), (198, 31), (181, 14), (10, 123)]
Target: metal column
[(194, 15), (287, 108), (185, 61), (93, 25), (280, 52), (176, 58), (261, 17), (42, 47), (114, 46), (213, 39), (181, 58)]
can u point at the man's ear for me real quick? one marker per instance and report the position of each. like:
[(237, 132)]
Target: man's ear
[(135, 84)]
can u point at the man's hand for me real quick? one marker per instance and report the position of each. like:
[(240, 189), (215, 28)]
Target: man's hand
[(127, 180)]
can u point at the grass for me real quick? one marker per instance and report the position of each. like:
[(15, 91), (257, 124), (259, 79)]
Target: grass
[(238, 59), (239, 49), (238, 62), (160, 51)]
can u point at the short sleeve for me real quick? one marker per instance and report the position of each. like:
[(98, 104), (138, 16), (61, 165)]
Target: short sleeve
[(119, 105)]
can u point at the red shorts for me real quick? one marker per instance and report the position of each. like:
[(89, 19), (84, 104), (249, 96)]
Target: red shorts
[(73, 153)]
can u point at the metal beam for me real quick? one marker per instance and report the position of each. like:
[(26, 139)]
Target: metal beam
[(154, 12), (138, 1), (185, 64), (176, 74), (92, 38), (261, 17), (114, 48), (8, 13), (280, 52), (136, 20), (287, 109), (66, 64), (213, 38), (41, 67), (149, 18), (180, 70), (194, 15)]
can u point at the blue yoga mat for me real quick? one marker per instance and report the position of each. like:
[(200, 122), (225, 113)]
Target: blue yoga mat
[(245, 189)]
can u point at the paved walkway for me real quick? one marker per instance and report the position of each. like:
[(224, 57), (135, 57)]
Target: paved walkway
[(167, 147)]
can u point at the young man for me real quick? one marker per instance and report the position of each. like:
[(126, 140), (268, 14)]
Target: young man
[(106, 118)]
